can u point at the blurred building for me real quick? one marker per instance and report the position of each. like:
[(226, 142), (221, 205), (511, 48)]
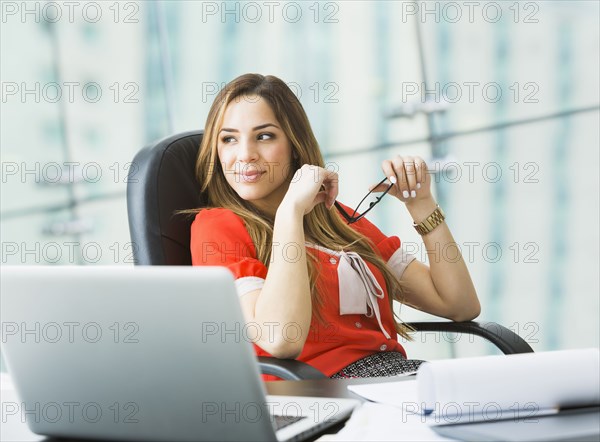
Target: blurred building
[(501, 99)]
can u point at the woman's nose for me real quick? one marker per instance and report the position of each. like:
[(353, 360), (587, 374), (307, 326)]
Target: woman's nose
[(247, 151)]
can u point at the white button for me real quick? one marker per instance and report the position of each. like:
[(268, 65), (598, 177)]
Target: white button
[(332, 260), (383, 347), (358, 324)]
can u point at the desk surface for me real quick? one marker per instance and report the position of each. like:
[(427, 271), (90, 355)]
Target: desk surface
[(16, 430), (326, 387), (13, 429)]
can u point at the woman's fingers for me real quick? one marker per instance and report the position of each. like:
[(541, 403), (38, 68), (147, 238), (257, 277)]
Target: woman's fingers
[(410, 174), (330, 183), (421, 171), (409, 183), (390, 173), (328, 189), (311, 185), (377, 187)]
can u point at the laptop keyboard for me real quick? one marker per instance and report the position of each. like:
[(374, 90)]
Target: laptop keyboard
[(280, 422)]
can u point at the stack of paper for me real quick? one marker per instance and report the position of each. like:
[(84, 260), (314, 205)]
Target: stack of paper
[(493, 387), (513, 386)]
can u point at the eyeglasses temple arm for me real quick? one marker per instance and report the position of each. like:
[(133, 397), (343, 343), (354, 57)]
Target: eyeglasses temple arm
[(342, 211)]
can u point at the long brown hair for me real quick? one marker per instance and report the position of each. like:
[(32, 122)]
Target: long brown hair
[(325, 227)]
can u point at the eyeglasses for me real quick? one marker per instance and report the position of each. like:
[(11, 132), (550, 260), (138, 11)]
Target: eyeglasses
[(356, 215)]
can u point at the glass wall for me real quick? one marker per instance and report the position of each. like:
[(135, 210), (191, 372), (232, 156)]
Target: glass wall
[(500, 98)]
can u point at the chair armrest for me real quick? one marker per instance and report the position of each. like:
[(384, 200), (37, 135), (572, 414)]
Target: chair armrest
[(288, 369), (506, 340)]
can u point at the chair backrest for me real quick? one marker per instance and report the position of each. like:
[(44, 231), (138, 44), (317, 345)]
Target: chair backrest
[(161, 181)]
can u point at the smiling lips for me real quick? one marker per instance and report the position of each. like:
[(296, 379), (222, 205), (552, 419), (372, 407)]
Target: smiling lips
[(251, 176)]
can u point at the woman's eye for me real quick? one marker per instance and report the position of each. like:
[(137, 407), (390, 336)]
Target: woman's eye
[(226, 139), (265, 136)]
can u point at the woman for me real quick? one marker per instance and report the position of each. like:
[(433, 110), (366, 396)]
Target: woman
[(311, 285)]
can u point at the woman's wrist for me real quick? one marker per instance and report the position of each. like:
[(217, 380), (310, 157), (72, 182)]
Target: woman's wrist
[(289, 211), (420, 209)]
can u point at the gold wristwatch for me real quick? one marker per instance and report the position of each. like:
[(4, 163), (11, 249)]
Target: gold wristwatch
[(432, 221)]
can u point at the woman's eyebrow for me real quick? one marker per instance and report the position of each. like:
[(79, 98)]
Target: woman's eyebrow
[(262, 126)]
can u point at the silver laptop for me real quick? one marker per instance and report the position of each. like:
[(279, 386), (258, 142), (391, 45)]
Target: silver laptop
[(143, 353)]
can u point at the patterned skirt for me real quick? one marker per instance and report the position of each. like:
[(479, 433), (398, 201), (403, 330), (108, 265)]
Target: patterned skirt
[(387, 363)]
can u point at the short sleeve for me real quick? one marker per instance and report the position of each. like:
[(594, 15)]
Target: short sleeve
[(219, 238), (389, 247)]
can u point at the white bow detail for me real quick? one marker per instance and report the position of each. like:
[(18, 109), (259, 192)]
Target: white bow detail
[(359, 290)]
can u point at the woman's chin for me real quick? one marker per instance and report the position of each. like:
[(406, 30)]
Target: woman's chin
[(250, 195)]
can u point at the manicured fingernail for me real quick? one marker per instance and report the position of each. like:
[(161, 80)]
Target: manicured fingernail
[(405, 193), (418, 185), (392, 179), (413, 194)]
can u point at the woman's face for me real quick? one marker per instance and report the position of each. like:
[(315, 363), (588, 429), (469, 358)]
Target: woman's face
[(255, 153)]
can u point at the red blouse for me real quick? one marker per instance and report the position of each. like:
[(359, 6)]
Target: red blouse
[(219, 237)]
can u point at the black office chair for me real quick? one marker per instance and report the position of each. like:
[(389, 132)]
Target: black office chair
[(162, 180)]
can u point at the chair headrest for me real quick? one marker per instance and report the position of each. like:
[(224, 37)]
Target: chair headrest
[(161, 181)]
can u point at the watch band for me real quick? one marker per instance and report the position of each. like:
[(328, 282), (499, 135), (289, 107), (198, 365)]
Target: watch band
[(431, 222)]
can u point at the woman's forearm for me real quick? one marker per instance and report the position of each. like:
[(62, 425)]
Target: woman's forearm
[(448, 270), (284, 308)]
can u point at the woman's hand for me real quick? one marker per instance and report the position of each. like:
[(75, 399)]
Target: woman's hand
[(412, 180), (311, 185), (444, 288)]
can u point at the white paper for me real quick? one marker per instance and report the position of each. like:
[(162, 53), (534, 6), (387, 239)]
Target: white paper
[(402, 394), (511, 386), (523, 386), (379, 422)]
